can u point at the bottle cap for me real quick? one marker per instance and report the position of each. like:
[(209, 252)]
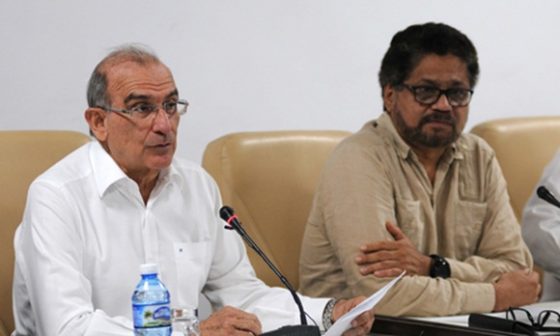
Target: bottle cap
[(148, 269)]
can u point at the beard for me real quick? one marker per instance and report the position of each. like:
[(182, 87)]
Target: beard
[(436, 139)]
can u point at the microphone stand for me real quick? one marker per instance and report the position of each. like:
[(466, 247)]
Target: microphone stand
[(227, 214)]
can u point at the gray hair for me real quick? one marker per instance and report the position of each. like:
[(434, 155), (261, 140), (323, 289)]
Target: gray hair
[(97, 95)]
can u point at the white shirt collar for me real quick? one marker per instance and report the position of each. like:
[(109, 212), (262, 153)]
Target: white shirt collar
[(107, 173)]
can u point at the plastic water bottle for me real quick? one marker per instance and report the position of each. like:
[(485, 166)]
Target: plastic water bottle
[(150, 304), (185, 322)]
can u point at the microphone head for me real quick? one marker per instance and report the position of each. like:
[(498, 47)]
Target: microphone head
[(547, 196), (542, 191), (226, 212)]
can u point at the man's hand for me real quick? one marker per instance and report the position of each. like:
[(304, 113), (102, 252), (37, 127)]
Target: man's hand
[(517, 288), (389, 258), (231, 321), (361, 325)]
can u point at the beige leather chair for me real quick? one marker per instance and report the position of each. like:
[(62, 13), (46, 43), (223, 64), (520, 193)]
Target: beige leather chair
[(269, 178), (523, 147), (23, 156)]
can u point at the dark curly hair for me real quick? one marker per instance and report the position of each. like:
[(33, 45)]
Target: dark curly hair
[(409, 46)]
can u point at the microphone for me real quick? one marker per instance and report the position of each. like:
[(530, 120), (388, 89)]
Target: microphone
[(499, 324), (546, 195), (228, 215)]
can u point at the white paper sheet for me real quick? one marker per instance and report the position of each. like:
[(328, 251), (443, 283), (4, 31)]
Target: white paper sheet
[(344, 322)]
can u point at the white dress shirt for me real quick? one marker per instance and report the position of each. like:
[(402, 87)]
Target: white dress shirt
[(86, 230), (541, 230)]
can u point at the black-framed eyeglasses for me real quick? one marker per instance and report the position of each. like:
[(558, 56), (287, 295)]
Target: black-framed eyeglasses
[(428, 95), (144, 110), (540, 322)]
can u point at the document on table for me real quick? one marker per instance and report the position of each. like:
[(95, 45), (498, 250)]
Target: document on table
[(344, 322)]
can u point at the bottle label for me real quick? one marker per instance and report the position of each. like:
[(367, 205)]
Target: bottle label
[(150, 316)]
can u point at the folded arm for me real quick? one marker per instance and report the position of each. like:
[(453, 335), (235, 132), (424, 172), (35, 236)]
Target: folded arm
[(357, 204)]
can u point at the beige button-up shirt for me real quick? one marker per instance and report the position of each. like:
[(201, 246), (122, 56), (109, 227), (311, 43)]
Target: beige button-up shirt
[(465, 216)]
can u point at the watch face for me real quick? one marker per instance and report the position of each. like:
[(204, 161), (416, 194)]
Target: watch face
[(440, 267)]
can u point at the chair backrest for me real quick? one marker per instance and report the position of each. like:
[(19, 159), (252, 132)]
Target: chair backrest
[(23, 156), (523, 146), (269, 178)]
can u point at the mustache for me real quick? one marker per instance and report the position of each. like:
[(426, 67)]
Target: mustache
[(439, 117), (165, 139)]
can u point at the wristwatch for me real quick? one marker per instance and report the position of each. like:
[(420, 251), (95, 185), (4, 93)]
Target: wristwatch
[(327, 314), (439, 267)]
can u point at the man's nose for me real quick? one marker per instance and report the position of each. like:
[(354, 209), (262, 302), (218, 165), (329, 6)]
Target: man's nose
[(442, 104), (162, 121)]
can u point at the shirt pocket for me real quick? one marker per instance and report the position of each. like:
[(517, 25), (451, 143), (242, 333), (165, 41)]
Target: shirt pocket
[(192, 265), (408, 219), (469, 217)]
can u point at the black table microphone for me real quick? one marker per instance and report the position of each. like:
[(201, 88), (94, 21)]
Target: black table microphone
[(227, 214), (546, 195), (500, 324)]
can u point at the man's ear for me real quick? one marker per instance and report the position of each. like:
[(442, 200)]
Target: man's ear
[(389, 93), (96, 119)]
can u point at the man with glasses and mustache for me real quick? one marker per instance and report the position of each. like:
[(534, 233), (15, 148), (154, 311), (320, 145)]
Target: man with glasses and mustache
[(411, 192), (124, 200)]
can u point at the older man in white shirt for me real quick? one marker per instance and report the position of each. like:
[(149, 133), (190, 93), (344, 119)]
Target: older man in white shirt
[(541, 231), (124, 200)]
